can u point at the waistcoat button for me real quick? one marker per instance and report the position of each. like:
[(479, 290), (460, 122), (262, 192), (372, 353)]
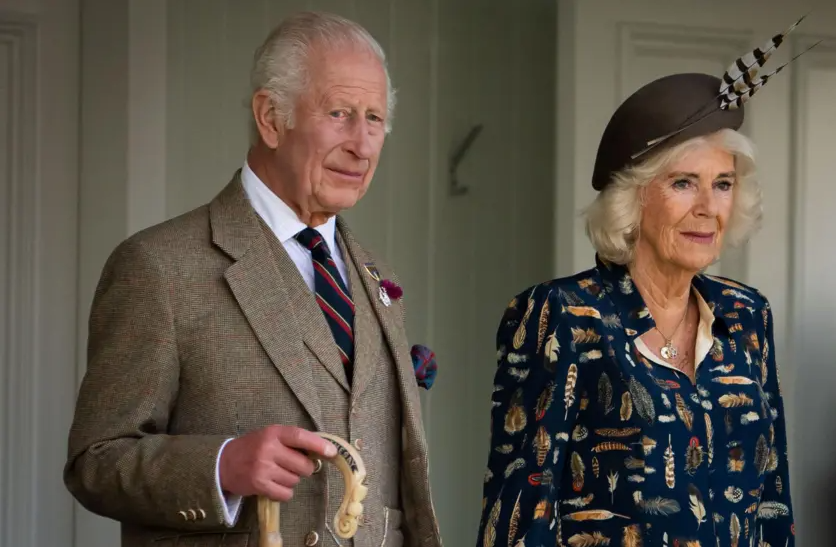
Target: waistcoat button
[(317, 466), (311, 539)]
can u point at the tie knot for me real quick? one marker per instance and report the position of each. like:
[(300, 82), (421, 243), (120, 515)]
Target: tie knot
[(312, 240)]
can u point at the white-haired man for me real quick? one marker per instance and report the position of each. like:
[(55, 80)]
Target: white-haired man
[(222, 339)]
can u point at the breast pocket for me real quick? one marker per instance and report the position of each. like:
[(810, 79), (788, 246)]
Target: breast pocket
[(748, 422), (613, 532), (746, 406)]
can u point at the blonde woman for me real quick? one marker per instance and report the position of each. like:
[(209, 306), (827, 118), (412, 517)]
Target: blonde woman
[(637, 403)]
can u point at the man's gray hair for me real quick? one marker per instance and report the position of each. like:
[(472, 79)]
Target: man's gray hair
[(613, 220), (280, 64)]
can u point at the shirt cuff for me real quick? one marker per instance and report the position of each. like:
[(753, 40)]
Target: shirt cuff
[(231, 504)]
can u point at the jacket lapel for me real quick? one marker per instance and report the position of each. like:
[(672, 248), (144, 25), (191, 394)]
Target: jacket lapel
[(366, 350), (261, 291), (390, 324), (732, 318)]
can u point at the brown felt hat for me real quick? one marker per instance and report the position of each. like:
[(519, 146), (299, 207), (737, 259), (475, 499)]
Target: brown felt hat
[(666, 105)]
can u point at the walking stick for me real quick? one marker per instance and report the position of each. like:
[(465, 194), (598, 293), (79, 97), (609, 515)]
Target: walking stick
[(350, 464)]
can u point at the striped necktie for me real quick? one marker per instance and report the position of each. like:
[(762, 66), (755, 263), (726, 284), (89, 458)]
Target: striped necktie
[(331, 295)]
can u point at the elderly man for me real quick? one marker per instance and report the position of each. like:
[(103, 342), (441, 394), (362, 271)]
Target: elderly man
[(222, 339)]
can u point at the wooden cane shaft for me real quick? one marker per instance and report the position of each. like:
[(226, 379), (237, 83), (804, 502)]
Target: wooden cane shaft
[(268, 523)]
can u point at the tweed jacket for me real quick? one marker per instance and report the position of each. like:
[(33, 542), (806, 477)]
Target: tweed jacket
[(202, 329), (594, 445)]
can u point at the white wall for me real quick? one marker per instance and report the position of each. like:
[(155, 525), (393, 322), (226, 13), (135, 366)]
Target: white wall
[(38, 219), (156, 143), (164, 112)]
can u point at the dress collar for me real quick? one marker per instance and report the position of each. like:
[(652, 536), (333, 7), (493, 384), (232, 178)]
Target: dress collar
[(634, 314)]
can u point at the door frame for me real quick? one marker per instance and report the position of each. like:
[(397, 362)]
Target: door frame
[(40, 40)]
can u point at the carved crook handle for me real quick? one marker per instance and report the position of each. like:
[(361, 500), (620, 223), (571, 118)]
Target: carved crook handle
[(350, 464)]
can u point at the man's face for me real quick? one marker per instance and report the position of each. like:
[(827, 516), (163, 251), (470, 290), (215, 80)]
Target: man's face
[(324, 164)]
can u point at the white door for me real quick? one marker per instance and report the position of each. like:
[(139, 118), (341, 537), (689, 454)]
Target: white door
[(38, 197), (609, 48)]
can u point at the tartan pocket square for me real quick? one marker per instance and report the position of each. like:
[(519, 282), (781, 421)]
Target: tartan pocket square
[(423, 361)]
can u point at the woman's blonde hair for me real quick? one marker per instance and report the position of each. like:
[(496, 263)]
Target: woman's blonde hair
[(614, 217)]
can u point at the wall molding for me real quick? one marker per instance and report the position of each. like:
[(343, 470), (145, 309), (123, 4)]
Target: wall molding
[(643, 40), (822, 56), (18, 46), (809, 303)]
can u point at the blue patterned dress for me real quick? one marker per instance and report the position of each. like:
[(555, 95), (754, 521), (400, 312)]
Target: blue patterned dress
[(594, 445)]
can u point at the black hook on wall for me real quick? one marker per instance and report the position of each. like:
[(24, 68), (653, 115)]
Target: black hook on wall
[(457, 189)]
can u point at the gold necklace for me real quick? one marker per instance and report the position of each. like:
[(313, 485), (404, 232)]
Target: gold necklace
[(669, 351)]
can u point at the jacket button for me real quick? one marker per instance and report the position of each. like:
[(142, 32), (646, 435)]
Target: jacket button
[(358, 444), (317, 466), (311, 539)]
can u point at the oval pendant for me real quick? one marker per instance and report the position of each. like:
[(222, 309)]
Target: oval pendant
[(666, 353)]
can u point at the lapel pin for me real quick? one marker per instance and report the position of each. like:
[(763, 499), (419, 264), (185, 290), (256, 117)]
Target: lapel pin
[(372, 270), (387, 290), (384, 297)]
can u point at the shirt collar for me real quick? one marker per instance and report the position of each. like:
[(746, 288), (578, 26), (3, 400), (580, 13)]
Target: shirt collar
[(277, 214)]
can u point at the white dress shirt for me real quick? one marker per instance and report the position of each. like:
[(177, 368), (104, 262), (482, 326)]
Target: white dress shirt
[(284, 223)]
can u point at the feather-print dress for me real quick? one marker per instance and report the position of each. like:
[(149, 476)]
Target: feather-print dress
[(592, 444)]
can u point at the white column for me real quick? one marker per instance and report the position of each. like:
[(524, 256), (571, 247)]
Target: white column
[(38, 216), (147, 143)]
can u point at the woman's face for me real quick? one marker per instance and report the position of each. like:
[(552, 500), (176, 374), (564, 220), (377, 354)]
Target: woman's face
[(686, 209)]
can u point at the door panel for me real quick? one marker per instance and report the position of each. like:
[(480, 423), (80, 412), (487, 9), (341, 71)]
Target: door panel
[(38, 260)]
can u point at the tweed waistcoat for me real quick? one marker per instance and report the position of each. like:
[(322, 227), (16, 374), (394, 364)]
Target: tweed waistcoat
[(370, 420)]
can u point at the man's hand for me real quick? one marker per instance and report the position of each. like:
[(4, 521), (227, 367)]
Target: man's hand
[(269, 462)]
